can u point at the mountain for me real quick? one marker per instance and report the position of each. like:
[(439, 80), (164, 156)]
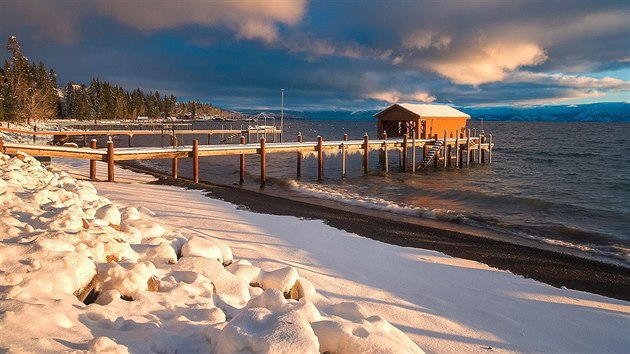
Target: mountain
[(595, 112)]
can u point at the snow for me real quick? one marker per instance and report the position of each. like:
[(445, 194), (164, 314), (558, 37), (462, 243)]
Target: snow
[(175, 271)]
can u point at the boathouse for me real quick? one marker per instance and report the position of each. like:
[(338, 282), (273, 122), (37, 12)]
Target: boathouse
[(422, 120)]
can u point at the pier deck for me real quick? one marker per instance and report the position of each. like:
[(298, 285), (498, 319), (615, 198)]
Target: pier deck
[(466, 151)]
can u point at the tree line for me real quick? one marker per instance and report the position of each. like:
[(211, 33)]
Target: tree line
[(29, 92)]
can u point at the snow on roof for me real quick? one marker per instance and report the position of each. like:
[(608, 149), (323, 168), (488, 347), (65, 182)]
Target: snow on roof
[(429, 110)]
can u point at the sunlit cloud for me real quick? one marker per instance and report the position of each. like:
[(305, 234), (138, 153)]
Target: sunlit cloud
[(489, 62), (252, 19), (393, 96)]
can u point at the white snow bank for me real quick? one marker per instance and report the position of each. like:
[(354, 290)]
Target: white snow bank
[(79, 272), (443, 304)]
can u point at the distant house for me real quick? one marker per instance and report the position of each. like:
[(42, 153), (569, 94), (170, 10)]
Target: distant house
[(423, 120), (142, 118)]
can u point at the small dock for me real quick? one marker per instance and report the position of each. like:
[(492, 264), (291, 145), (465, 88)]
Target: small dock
[(252, 133), (413, 154)]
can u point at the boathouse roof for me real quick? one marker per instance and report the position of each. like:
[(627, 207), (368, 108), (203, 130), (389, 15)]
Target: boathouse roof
[(427, 110)]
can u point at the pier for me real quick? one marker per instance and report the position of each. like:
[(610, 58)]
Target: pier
[(446, 151)]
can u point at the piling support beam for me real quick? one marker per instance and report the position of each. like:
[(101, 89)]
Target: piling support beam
[(242, 163), (129, 139), (479, 150), (195, 153), (457, 150), (263, 161), (413, 153), (320, 158), (468, 152), (110, 161), (404, 153), (385, 154), (93, 162), (490, 149), (444, 149), (299, 158), (175, 160), (366, 152)]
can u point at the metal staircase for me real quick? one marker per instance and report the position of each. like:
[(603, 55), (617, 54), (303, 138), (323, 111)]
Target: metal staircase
[(430, 155)]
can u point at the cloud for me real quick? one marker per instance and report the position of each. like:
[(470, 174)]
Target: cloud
[(569, 81), (316, 48), (489, 62), (393, 96), (252, 19), (423, 39)]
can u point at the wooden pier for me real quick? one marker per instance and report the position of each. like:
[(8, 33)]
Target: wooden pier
[(455, 152), (248, 132)]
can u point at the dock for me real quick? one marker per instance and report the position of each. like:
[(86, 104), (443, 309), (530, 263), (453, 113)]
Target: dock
[(447, 152)]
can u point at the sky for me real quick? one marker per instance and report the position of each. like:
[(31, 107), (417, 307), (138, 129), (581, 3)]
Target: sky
[(335, 54)]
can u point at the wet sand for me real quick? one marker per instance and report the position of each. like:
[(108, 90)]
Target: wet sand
[(551, 267)]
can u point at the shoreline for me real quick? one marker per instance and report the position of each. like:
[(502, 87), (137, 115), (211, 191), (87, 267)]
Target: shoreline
[(547, 266)]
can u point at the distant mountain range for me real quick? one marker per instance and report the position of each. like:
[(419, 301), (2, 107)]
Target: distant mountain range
[(595, 112)]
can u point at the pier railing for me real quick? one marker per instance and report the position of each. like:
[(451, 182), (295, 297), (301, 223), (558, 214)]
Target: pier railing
[(454, 152)]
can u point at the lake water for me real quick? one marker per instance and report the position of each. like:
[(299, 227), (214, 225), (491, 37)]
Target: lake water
[(562, 184)]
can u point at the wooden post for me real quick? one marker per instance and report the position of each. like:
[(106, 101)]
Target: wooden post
[(404, 153), (479, 150), (34, 131), (424, 150), (263, 161), (2, 142), (195, 152), (490, 148), (457, 150), (343, 160), (413, 153), (299, 157), (175, 160), (468, 152), (366, 152), (444, 148), (320, 158), (129, 140), (242, 163), (385, 155), (345, 137), (209, 135), (93, 162), (110, 161)]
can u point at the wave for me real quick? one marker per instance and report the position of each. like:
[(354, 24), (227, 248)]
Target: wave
[(561, 236)]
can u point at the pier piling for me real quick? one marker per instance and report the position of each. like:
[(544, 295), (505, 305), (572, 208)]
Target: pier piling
[(242, 163), (404, 153), (320, 158), (299, 157), (175, 160), (263, 161), (93, 162), (195, 153), (385, 154), (366, 152), (110, 161)]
